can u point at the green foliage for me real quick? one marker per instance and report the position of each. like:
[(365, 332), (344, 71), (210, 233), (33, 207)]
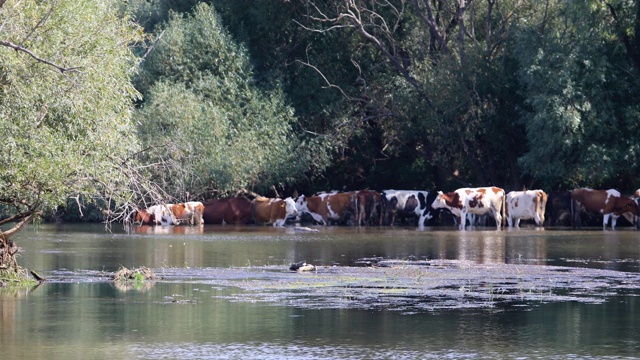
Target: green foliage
[(65, 124), (205, 119), (578, 114)]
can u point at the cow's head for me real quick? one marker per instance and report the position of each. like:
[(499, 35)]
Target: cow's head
[(302, 204), (440, 201), (291, 209)]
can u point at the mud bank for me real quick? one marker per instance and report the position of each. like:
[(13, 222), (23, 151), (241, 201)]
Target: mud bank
[(412, 286)]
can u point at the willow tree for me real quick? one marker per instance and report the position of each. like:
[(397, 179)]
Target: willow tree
[(65, 108), (206, 119)]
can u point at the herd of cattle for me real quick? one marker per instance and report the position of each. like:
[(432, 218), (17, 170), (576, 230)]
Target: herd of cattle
[(368, 207)]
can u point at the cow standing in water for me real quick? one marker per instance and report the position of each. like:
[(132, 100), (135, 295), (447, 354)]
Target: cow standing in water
[(609, 203), (234, 210), (188, 212), (367, 204), (405, 203), (273, 210), (529, 204), (478, 201), (333, 206)]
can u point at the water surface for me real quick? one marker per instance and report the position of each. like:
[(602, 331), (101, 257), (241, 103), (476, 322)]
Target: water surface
[(78, 316)]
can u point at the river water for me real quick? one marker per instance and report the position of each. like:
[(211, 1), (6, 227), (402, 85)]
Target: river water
[(78, 314)]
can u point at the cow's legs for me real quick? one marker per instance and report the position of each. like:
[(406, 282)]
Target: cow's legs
[(463, 220), (614, 220), (605, 221), (498, 217)]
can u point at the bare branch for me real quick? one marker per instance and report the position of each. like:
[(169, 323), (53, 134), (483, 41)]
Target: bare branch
[(62, 69), (329, 84), (40, 22), (4, 235)]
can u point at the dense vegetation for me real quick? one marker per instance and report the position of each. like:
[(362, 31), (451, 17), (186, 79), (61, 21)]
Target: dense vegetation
[(405, 94), (127, 103)]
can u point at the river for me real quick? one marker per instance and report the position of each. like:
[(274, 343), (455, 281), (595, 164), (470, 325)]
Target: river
[(80, 314)]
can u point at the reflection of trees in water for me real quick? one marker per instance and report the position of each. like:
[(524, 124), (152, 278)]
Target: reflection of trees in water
[(11, 298)]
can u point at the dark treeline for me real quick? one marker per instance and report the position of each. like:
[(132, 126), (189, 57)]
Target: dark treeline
[(348, 94)]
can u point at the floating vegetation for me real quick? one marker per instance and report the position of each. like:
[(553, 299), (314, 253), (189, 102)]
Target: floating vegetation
[(136, 274), (409, 286)]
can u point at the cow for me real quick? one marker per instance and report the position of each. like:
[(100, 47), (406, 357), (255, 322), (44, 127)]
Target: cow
[(558, 208), (335, 206), (188, 212), (478, 201), (154, 215), (609, 203), (529, 204), (406, 203), (162, 214), (143, 217), (233, 210), (367, 205), (273, 211)]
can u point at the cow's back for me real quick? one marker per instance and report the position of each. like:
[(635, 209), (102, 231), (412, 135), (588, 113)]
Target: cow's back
[(266, 210), (235, 210)]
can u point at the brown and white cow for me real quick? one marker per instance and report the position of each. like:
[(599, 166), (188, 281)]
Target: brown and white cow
[(234, 210), (478, 201), (273, 211), (405, 203), (367, 205), (334, 206), (609, 203), (154, 215), (143, 217), (529, 204), (188, 212)]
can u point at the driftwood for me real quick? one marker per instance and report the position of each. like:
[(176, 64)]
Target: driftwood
[(37, 276)]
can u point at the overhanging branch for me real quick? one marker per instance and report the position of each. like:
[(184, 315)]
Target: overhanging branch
[(16, 47)]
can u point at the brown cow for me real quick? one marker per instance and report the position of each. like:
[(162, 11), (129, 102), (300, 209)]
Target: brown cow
[(367, 205), (143, 217), (606, 202), (190, 212), (234, 210), (273, 211), (334, 206)]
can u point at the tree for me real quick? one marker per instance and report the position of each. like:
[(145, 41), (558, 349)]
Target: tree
[(580, 84), (206, 119), (65, 107)]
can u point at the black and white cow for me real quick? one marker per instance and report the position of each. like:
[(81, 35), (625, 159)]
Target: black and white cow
[(406, 203)]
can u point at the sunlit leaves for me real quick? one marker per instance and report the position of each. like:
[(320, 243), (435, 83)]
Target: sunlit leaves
[(66, 122)]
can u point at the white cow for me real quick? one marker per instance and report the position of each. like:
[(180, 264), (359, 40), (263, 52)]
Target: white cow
[(478, 201), (526, 205)]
